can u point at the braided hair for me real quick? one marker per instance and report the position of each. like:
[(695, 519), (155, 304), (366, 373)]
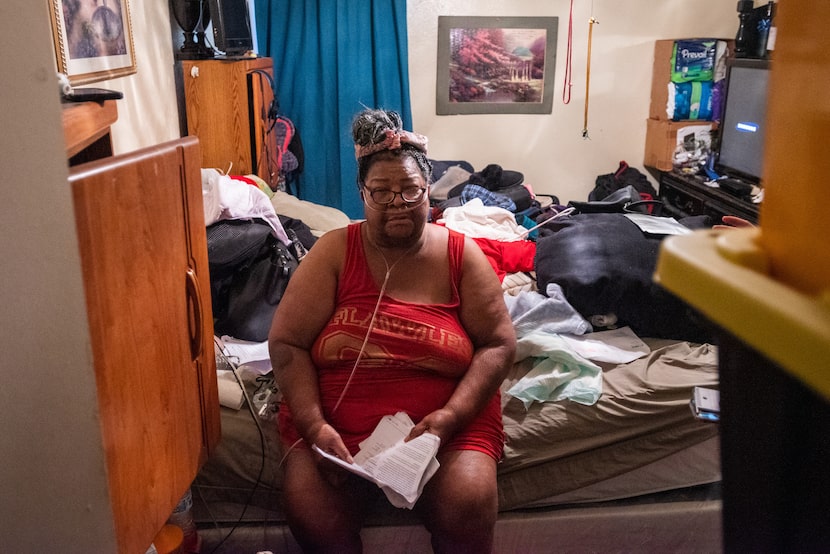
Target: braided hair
[(370, 127)]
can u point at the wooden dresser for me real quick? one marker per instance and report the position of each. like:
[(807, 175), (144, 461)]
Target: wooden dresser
[(227, 104), (141, 233)]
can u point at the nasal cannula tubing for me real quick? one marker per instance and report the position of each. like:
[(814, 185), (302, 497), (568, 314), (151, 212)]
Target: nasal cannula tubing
[(362, 346)]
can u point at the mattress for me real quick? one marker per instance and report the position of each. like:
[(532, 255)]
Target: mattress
[(639, 439), (642, 417), (677, 526)]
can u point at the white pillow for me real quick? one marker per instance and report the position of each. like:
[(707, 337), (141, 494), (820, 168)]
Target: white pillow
[(319, 218)]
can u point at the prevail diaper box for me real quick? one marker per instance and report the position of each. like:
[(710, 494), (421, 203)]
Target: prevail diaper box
[(699, 64)]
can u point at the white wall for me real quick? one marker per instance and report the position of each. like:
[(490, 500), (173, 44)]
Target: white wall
[(549, 149), (148, 114)]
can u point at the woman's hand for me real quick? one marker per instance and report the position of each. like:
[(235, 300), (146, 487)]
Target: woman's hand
[(442, 423), (733, 222), (329, 441)]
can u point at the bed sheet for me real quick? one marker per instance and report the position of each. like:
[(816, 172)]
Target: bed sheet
[(635, 440)]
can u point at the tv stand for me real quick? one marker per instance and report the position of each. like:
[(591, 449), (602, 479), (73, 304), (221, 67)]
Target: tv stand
[(687, 195)]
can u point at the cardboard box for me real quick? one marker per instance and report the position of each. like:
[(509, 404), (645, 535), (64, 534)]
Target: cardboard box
[(660, 79), (671, 144)]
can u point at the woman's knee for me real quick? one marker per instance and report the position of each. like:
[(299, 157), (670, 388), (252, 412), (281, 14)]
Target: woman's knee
[(461, 502), (321, 516)]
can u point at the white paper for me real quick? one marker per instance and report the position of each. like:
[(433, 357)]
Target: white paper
[(658, 225), (617, 346), (252, 356), (400, 469)]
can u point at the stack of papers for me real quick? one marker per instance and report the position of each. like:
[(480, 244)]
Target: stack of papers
[(400, 469)]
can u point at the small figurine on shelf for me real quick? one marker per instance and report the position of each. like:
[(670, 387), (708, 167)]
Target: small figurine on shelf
[(745, 32)]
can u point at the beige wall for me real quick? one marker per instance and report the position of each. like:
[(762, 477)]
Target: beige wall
[(148, 114), (549, 149)]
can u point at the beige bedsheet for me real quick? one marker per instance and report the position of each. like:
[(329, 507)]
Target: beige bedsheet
[(642, 417), (555, 452)]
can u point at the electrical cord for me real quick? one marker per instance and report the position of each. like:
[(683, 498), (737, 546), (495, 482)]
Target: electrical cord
[(255, 417), (566, 89), (369, 328), (235, 369), (359, 354)]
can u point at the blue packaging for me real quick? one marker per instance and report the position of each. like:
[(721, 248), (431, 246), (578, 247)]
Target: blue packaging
[(692, 100)]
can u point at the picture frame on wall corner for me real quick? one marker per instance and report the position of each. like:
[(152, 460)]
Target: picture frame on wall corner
[(93, 39), (498, 65)]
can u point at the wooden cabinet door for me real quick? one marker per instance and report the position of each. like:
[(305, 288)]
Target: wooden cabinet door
[(141, 232)]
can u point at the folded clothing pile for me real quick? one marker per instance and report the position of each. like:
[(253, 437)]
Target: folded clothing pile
[(494, 185)]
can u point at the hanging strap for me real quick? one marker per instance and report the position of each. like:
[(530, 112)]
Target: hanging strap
[(566, 89), (588, 76)]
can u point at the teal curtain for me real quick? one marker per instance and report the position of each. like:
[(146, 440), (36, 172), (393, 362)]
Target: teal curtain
[(331, 59)]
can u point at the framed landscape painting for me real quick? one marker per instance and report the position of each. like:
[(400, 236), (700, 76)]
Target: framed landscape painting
[(495, 64)]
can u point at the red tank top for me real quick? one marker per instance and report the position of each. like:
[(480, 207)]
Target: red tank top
[(413, 359)]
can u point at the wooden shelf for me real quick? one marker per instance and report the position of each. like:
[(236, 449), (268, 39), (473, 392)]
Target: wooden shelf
[(87, 124)]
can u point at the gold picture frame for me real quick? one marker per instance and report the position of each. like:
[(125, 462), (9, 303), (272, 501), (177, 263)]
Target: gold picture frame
[(93, 39)]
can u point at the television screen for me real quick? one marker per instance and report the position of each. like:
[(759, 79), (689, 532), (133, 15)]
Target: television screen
[(743, 123), (231, 26)]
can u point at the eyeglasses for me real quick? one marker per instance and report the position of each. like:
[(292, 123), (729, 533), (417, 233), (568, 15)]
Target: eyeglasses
[(386, 197)]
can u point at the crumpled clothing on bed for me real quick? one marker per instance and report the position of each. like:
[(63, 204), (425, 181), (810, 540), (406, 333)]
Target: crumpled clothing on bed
[(560, 371), (552, 313), (227, 198), (474, 219)]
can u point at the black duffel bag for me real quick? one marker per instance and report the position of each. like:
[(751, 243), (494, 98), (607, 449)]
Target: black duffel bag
[(249, 270)]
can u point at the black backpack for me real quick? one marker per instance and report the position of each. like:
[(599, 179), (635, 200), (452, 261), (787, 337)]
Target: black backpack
[(249, 270), (624, 176)]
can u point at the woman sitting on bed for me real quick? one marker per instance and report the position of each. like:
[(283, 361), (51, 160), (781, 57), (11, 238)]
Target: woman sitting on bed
[(387, 315)]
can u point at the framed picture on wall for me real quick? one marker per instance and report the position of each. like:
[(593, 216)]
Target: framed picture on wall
[(93, 39), (495, 64)]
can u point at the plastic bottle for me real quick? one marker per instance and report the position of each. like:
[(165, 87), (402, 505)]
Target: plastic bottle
[(167, 541), (772, 34), (182, 517), (763, 29)]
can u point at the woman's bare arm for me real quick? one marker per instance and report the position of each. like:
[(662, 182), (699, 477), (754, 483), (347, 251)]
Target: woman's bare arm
[(487, 322), (304, 310)]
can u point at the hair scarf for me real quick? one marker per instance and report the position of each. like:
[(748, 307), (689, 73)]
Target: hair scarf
[(392, 141)]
